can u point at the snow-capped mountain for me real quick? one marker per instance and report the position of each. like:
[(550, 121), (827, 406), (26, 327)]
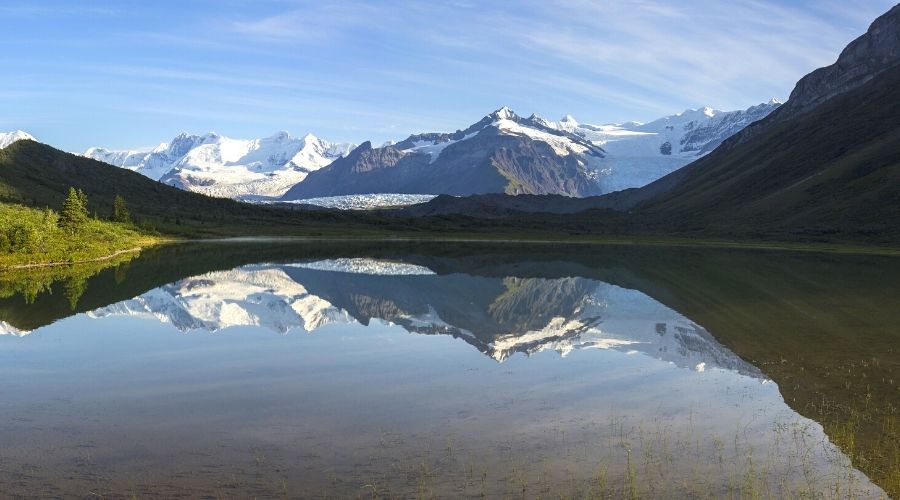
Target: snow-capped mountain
[(502, 152), (220, 166), (505, 153), (7, 138)]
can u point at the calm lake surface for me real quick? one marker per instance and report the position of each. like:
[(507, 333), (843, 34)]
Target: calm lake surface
[(267, 369)]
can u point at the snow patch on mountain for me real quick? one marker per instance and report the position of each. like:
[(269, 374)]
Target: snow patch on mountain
[(7, 138), (220, 166), (434, 148), (561, 144)]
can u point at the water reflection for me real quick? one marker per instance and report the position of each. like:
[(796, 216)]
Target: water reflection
[(592, 387), (498, 316)]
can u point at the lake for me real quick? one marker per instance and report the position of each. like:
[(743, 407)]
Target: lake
[(274, 369)]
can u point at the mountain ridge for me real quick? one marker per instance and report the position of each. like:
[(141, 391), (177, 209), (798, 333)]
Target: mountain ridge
[(575, 164)]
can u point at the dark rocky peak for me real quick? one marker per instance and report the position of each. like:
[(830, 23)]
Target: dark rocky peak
[(862, 60), (365, 146), (870, 55), (365, 158)]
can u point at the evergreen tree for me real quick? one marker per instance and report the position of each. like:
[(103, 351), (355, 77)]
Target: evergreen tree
[(120, 210), (74, 212)]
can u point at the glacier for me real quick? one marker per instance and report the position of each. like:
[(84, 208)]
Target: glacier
[(640, 153), (370, 201)]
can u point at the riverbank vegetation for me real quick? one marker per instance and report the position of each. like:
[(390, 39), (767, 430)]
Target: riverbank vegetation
[(30, 236)]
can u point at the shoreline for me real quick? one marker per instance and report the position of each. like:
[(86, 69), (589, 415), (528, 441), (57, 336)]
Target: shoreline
[(66, 263), (812, 247), (133, 250)]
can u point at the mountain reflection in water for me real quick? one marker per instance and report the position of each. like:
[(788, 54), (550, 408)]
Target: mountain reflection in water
[(611, 393), (500, 317)]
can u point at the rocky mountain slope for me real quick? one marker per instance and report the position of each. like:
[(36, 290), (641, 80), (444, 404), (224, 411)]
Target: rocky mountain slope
[(233, 168), (501, 153)]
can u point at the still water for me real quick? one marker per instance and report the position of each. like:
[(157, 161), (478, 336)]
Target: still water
[(409, 370)]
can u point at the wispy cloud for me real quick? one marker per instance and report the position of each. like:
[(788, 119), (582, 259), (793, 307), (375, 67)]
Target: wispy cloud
[(311, 21), (383, 69), (700, 52)]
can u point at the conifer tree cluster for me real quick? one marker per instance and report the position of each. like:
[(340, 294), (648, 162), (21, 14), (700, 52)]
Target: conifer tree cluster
[(74, 211)]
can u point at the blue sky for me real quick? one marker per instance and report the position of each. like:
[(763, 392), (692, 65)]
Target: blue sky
[(135, 73)]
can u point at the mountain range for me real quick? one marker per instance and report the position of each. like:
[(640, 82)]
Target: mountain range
[(501, 153)]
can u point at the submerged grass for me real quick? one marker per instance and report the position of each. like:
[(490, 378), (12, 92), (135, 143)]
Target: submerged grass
[(633, 461)]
